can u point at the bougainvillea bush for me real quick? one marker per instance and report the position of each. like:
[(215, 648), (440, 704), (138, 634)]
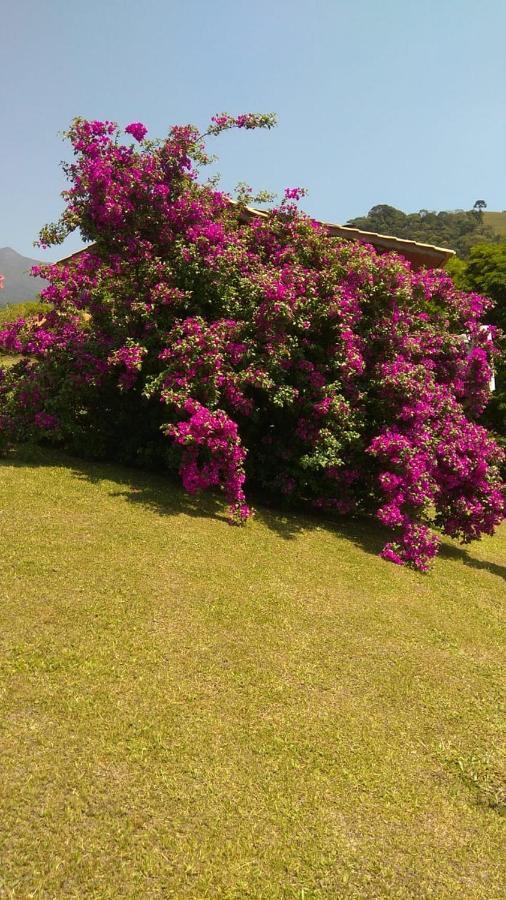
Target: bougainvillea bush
[(257, 351)]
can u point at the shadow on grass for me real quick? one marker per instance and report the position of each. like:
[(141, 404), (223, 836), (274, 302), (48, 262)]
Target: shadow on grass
[(160, 493), (459, 554)]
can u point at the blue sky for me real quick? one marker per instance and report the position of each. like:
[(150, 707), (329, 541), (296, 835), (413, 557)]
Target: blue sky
[(379, 101)]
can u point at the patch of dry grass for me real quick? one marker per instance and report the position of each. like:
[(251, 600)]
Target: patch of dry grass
[(193, 710)]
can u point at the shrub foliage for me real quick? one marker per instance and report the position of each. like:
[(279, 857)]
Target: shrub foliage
[(485, 271), (259, 350)]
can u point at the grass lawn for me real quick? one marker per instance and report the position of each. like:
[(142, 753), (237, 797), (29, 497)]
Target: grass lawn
[(8, 359), (191, 710), (496, 220)]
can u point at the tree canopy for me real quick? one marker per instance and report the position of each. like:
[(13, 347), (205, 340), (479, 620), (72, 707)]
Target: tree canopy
[(458, 230)]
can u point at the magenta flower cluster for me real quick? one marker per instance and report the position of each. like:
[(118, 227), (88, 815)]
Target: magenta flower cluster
[(137, 130), (217, 434), (254, 351), (129, 360)]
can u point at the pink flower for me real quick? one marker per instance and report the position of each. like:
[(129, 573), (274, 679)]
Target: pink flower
[(45, 421), (295, 193), (389, 553), (137, 130)]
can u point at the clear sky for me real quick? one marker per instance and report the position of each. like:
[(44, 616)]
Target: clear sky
[(379, 101)]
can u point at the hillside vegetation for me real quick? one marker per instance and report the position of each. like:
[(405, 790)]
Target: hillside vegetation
[(496, 221), (457, 229), (193, 710), (13, 311)]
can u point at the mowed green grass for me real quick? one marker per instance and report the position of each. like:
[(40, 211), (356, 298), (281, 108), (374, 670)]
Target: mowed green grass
[(496, 220), (192, 710), (9, 359)]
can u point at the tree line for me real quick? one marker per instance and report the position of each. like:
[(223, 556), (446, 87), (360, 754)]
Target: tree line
[(460, 230)]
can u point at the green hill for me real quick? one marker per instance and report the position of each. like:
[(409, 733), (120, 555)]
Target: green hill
[(457, 229), (496, 221), (194, 710)]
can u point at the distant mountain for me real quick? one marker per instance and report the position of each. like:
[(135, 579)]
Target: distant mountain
[(19, 285)]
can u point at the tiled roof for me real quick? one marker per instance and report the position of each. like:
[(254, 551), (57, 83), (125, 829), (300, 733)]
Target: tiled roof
[(417, 253)]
